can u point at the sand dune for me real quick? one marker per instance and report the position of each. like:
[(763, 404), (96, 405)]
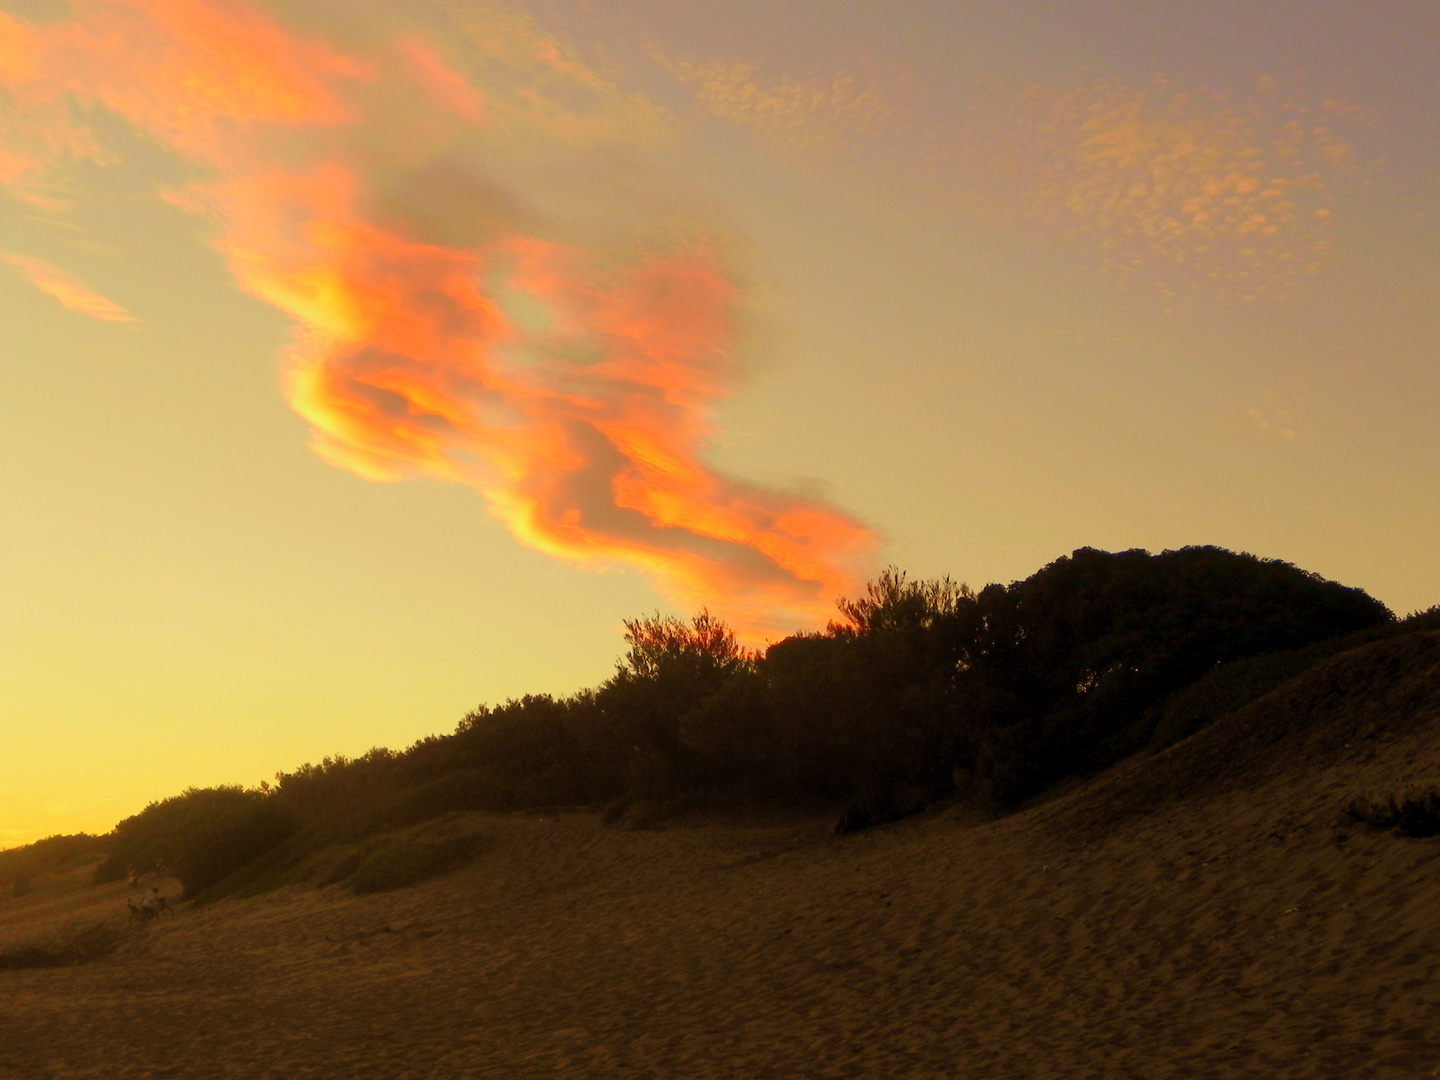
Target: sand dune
[(1204, 912)]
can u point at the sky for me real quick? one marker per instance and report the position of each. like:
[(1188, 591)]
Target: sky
[(359, 369)]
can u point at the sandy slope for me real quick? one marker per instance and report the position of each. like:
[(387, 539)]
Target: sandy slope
[(62, 899), (1195, 914)]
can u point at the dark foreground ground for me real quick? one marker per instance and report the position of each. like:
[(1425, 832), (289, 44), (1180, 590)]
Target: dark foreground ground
[(1209, 912)]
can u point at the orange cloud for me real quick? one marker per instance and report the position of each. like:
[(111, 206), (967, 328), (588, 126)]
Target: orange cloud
[(1187, 191), (184, 70), (445, 85), (53, 281), (479, 296)]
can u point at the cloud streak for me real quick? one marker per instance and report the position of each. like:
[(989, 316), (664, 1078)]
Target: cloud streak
[(1186, 191), (1165, 186), (56, 283), (489, 286)]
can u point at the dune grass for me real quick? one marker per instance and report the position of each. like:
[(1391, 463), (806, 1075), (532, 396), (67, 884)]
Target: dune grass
[(401, 859)]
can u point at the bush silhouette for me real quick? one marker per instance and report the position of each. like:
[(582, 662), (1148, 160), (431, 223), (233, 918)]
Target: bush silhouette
[(203, 835), (917, 688), (51, 853), (1060, 671), (1012, 688)]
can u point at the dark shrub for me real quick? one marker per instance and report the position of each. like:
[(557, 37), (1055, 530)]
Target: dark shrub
[(857, 713), (339, 787), (1414, 813), (203, 835), (523, 753), (1059, 672), (672, 667), (1015, 687), (44, 856), (464, 789)]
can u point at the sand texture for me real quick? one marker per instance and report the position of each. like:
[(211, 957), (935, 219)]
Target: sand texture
[(1207, 912)]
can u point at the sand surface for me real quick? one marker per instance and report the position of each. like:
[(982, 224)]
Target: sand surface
[(1159, 921)]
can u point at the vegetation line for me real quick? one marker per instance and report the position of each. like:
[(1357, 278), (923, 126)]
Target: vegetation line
[(920, 689)]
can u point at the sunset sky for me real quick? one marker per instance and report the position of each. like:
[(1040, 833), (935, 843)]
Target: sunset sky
[(356, 369)]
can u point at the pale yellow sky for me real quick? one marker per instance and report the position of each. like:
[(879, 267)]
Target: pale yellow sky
[(990, 289)]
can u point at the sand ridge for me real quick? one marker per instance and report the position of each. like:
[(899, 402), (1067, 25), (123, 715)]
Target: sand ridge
[(1254, 932)]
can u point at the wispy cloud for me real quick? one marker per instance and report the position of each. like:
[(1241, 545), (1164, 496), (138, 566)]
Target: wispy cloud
[(1164, 186), (801, 113), (54, 282), (1169, 186), (1265, 424), (1271, 416)]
